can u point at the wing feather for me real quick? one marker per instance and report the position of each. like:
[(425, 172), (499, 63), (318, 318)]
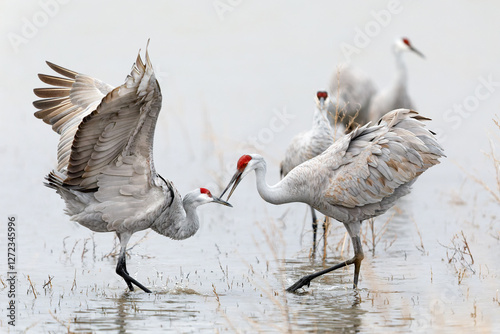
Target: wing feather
[(64, 106), (378, 160), (56, 81), (62, 71), (52, 92), (121, 125)]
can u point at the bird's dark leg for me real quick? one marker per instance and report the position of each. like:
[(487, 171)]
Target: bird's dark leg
[(315, 229), (121, 266), (121, 269), (356, 260), (326, 227), (306, 280)]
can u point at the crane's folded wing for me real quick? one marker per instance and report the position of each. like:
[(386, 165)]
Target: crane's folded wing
[(380, 159)]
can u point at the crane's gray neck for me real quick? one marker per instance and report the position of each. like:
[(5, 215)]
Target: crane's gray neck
[(178, 221), (401, 71), (320, 119), (192, 222), (276, 194)]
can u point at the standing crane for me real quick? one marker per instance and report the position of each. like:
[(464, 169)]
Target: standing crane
[(308, 144), (351, 92), (359, 177), (396, 95), (105, 171)]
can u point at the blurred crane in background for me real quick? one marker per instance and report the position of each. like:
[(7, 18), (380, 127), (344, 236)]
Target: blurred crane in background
[(396, 95), (308, 144), (351, 92)]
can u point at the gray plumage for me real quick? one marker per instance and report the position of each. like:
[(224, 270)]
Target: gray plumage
[(360, 176), (396, 95), (351, 92), (105, 171)]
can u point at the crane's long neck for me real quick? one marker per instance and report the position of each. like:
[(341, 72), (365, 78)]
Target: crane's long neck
[(276, 194), (178, 221), (401, 71), (320, 119), (191, 223)]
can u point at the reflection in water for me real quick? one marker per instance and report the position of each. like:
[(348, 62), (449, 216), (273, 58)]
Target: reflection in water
[(328, 310), (121, 316), (130, 312)]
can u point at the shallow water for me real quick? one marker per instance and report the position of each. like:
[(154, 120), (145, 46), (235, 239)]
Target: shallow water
[(225, 83)]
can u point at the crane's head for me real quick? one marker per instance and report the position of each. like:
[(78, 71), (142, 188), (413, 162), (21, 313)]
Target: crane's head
[(321, 99), (202, 196), (245, 165), (404, 44)]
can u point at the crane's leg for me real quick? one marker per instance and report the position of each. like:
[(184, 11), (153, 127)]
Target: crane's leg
[(358, 257), (356, 260), (121, 266), (326, 228), (315, 229)]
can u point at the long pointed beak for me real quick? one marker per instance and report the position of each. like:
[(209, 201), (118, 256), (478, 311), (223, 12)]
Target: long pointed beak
[(220, 201), (417, 52), (236, 179)]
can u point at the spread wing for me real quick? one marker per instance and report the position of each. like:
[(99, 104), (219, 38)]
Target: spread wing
[(110, 134), (122, 125), (375, 161), (64, 106)]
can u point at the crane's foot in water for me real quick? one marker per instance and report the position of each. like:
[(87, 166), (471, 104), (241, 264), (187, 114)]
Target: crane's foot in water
[(129, 280), (306, 280), (121, 269)]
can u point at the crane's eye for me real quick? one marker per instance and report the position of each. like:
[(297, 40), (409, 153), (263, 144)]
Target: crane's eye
[(406, 41), (322, 94), (243, 162)]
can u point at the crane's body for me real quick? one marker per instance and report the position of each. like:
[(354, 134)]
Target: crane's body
[(105, 172), (358, 177), (351, 92), (308, 144), (396, 95)]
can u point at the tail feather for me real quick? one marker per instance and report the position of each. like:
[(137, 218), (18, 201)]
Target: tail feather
[(55, 180), (411, 121)]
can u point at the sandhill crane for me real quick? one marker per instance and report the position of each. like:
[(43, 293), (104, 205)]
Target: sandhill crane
[(351, 92), (359, 177), (396, 95), (308, 144), (105, 171)]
